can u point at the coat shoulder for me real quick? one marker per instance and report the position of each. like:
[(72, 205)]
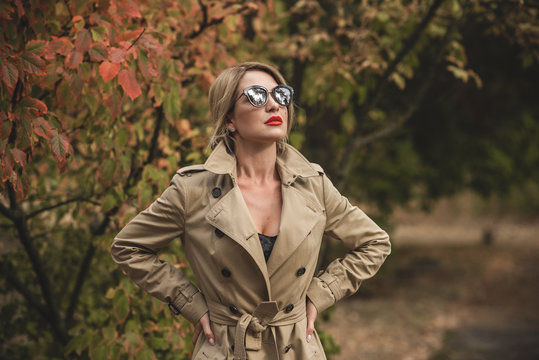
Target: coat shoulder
[(189, 170), (318, 168)]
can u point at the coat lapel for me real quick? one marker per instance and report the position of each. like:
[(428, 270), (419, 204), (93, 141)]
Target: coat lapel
[(231, 216), (298, 217)]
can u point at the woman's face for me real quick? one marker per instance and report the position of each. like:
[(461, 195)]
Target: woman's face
[(265, 124)]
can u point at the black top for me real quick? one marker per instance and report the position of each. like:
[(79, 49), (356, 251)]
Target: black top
[(267, 243)]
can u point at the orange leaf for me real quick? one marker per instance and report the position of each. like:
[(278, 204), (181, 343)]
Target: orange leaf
[(117, 55), (129, 83), (74, 59), (19, 156), (129, 35), (76, 18), (108, 70)]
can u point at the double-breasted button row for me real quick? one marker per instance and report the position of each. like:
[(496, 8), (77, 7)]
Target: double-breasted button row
[(233, 309), (288, 308), (300, 271), (219, 233), (287, 348)]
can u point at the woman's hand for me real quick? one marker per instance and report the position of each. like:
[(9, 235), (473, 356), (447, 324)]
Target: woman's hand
[(204, 325), (312, 313)]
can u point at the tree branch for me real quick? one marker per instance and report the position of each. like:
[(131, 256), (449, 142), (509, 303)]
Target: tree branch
[(406, 48), (356, 143), (62, 203)]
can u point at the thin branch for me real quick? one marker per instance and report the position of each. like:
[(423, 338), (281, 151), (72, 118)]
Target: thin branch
[(407, 47), (137, 39), (62, 203)]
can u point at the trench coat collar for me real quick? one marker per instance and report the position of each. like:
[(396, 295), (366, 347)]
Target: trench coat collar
[(290, 164)]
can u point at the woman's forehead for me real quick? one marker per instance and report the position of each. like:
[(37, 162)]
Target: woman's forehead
[(257, 77)]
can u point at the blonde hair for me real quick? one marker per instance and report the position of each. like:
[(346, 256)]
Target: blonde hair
[(222, 98)]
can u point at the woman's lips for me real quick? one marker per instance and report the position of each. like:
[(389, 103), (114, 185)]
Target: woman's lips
[(274, 121)]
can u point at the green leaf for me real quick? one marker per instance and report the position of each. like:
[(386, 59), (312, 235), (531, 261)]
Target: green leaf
[(171, 105)]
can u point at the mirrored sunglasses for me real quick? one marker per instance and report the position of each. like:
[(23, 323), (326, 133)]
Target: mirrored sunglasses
[(258, 95)]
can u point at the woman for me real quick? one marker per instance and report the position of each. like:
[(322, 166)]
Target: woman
[(251, 220)]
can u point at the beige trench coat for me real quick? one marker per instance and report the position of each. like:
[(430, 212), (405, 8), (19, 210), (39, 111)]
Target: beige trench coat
[(257, 309)]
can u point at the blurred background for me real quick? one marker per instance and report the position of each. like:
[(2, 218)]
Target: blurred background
[(424, 113)]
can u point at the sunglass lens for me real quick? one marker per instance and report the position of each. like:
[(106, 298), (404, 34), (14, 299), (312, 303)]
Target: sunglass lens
[(283, 95), (257, 96)]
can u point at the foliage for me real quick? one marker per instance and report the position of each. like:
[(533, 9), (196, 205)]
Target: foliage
[(101, 101)]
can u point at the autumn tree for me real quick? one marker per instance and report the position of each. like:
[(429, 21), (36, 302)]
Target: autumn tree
[(101, 101)]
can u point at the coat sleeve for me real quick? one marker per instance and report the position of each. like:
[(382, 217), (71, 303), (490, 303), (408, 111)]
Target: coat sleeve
[(136, 247), (368, 247)]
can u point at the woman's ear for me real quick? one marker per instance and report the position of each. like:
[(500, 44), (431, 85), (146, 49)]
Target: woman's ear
[(230, 125)]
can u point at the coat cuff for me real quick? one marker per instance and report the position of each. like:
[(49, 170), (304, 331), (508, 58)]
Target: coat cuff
[(191, 304), (323, 291)]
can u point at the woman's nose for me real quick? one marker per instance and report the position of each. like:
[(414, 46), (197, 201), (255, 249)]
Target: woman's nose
[(272, 104)]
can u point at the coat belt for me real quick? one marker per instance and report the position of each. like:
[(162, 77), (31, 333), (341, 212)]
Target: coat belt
[(249, 327)]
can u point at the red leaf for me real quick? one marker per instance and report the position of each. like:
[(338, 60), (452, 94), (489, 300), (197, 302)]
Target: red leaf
[(33, 64), (60, 148), (60, 46), (74, 59), (129, 35), (36, 46), (117, 55), (98, 52), (108, 70), (42, 127), (76, 18), (83, 41), (10, 75), (36, 104), (129, 83), (7, 166), (19, 156), (128, 9)]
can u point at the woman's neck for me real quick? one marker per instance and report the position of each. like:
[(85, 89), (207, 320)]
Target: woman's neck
[(256, 163)]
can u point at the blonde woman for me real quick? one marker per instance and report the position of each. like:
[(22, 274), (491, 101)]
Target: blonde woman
[(251, 220)]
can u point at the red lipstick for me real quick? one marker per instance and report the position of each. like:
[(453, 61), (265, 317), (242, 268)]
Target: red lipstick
[(274, 121)]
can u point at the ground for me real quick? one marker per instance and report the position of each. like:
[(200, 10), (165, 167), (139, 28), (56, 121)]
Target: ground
[(443, 294)]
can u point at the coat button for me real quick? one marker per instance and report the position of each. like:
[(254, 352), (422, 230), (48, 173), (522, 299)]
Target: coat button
[(219, 233), (287, 348), (216, 192), (300, 271), (233, 309), (288, 308), (226, 272)]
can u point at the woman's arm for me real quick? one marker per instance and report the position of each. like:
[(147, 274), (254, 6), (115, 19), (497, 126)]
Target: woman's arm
[(135, 249), (368, 244)]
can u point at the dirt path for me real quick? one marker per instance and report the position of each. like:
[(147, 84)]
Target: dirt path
[(447, 297)]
